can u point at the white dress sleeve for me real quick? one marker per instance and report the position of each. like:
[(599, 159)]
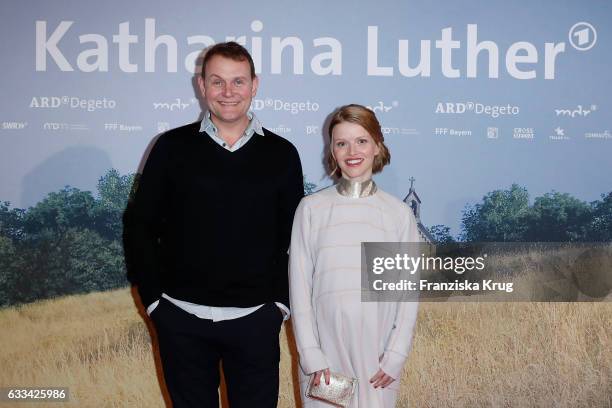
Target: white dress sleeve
[(398, 346), (301, 271)]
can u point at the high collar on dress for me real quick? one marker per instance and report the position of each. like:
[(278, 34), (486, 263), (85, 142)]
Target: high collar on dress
[(356, 189)]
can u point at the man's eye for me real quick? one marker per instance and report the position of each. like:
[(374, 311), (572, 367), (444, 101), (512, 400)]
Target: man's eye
[(239, 82)]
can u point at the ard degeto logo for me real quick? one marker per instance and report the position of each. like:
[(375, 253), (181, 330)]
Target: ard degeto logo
[(461, 108), (582, 36), (293, 107), (72, 102)]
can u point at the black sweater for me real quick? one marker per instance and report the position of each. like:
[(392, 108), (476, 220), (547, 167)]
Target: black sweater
[(210, 226)]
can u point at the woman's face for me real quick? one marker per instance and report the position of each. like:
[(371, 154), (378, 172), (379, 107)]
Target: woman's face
[(354, 150)]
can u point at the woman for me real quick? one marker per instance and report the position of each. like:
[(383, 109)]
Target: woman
[(334, 330)]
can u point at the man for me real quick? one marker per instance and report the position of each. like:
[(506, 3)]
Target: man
[(206, 237)]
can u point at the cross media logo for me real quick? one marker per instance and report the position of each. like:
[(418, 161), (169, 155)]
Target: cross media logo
[(523, 133)]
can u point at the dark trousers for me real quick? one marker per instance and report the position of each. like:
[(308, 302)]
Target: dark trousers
[(191, 348)]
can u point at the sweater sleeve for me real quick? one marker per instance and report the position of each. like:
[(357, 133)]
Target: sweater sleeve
[(289, 197), (301, 269), (400, 341), (143, 224)]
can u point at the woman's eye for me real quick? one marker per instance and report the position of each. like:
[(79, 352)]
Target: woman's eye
[(340, 144), (363, 141)]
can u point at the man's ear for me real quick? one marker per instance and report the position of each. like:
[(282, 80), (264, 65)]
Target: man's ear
[(201, 86), (255, 86)]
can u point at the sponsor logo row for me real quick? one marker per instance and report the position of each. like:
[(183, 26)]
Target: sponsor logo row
[(297, 107), (280, 129), (496, 111), (521, 133), (278, 105), (492, 132), (178, 104)]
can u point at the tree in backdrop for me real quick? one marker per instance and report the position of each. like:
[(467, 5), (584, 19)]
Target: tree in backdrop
[(114, 191), (506, 216), (441, 234), (68, 243), (557, 217), (600, 227), (309, 187), (499, 218)]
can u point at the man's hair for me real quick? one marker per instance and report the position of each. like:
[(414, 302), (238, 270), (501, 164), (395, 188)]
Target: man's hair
[(231, 50), (364, 117)]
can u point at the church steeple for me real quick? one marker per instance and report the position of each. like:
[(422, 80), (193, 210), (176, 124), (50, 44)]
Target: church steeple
[(413, 200)]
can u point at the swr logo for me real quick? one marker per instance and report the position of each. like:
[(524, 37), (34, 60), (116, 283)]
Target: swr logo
[(14, 125)]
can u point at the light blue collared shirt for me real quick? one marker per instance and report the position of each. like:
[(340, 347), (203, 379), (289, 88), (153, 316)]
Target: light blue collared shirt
[(254, 127)]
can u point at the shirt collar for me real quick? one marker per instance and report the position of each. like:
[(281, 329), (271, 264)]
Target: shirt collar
[(254, 126)]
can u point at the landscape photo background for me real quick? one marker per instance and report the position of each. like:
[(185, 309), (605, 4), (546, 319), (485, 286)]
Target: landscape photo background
[(497, 114)]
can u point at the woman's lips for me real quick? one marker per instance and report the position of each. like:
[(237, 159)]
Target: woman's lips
[(353, 162)]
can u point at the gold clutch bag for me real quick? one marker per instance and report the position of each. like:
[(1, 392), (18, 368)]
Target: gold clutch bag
[(339, 391)]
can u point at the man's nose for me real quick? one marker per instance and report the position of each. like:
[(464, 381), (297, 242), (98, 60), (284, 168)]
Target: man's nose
[(227, 90)]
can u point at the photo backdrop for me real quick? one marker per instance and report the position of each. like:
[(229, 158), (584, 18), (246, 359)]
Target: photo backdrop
[(473, 98)]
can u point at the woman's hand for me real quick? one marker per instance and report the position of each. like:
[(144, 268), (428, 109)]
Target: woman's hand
[(381, 379), (317, 376)]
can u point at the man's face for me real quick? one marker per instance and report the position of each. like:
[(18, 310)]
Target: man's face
[(228, 89)]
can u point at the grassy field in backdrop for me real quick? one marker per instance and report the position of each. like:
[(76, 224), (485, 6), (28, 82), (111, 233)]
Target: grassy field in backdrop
[(464, 354)]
